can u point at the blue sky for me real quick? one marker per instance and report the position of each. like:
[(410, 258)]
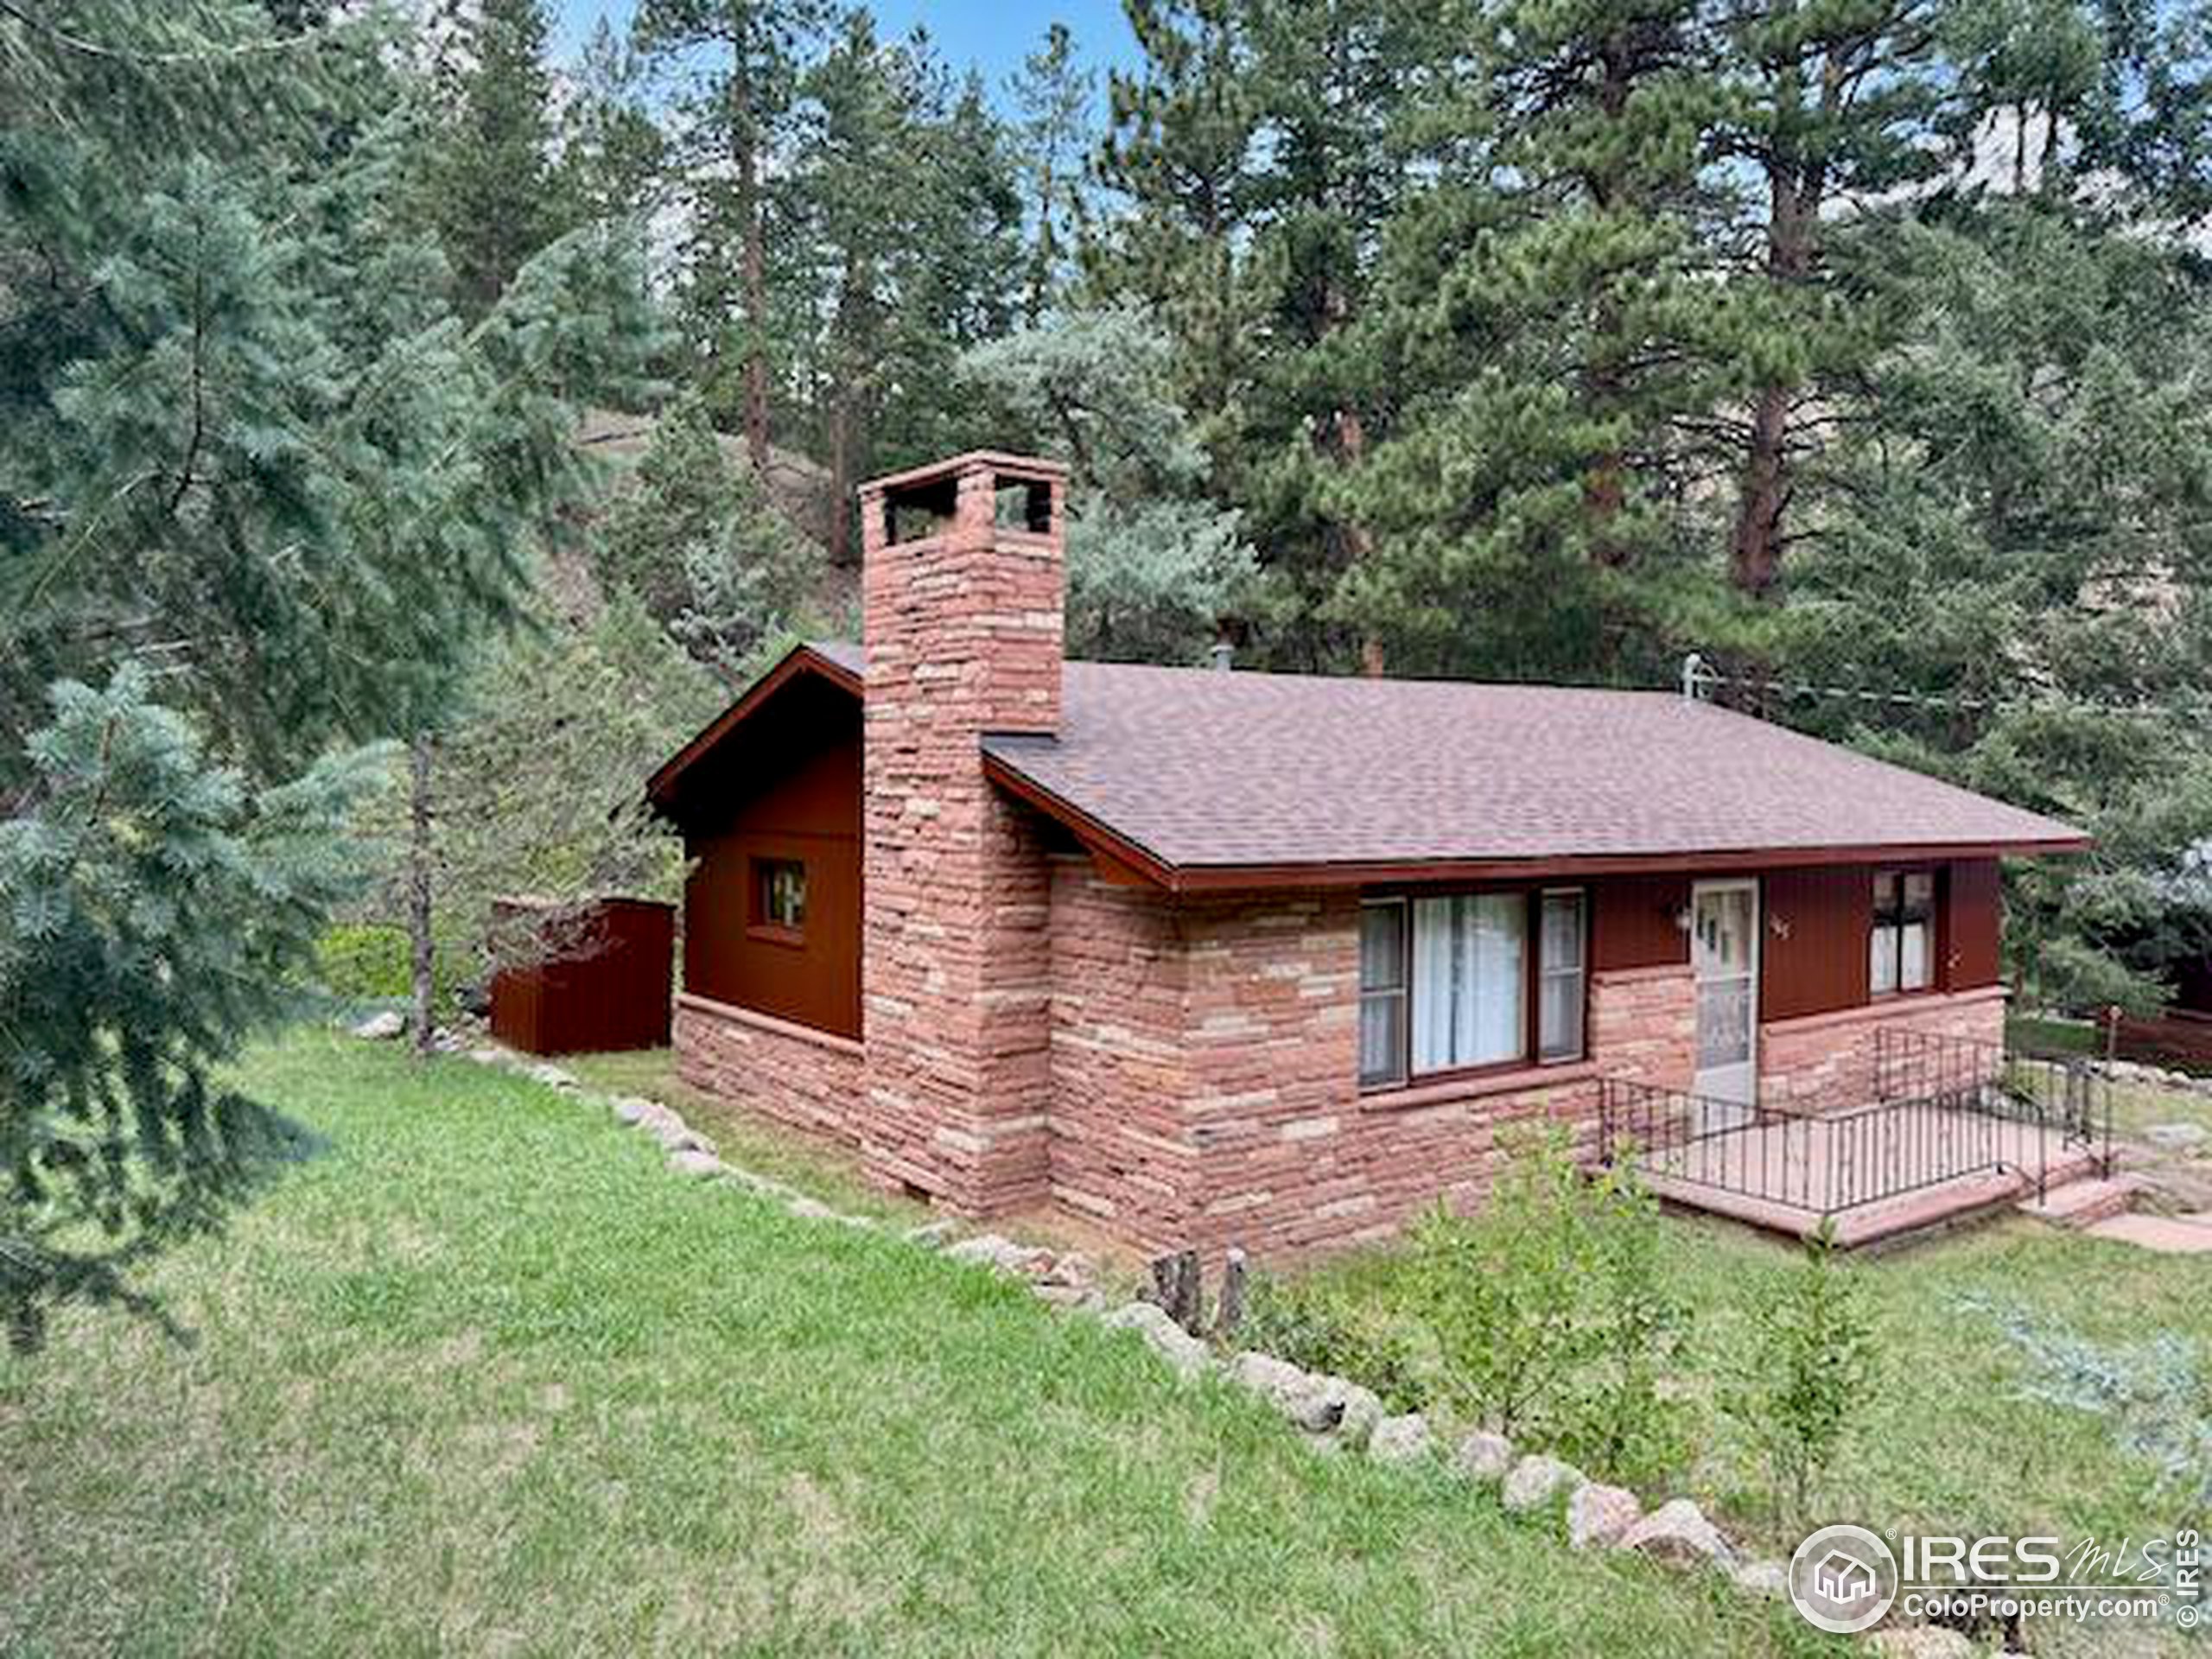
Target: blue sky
[(995, 38)]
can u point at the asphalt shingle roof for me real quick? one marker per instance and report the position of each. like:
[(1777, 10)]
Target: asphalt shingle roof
[(1200, 775), (1203, 769)]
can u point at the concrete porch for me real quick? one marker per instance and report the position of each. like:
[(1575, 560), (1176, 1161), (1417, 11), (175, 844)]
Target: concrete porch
[(1926, 1131), (1789, 1176)]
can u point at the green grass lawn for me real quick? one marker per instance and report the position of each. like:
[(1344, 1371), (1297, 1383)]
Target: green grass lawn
[(753, 1143), (484, 1378), (1950, 1441)]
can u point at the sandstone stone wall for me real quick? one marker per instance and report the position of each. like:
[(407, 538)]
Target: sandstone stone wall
[(807, 1078), (1826, 1062), (1121, 1154), (1291, 1157)]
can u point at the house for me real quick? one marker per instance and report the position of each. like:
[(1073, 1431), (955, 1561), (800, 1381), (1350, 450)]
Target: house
[(1843, 1579), (1218, 958)]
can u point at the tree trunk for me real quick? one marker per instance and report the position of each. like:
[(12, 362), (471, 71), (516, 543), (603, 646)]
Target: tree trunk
[(842, 484), (1755, 551), (1755, 548), (756, 320), (419, 854), (753, 277)]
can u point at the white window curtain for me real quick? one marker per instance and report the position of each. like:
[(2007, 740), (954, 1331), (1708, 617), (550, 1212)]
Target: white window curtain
[(1468, 980)]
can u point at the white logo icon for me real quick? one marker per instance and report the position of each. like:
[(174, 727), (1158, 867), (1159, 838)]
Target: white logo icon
[(1843, 1579)]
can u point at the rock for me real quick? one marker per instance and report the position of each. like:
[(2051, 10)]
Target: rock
[(692, 1161), (673, 1133), (1922, 1642), (1327, 1407), (1168, 1339), (551, 1076), (1400, 1439), (1075, 1296), (1339, 1408), (382, 1028), (1599, 1513), (1482, 1457), (1768, 1579), (1535, 1481), (661, 1123), (1070, 1267), (1006, 1254), (933, 1234), (2176, 1137), (1678, 1534), (809, 1208), (1277, 1379), (485, 1056)]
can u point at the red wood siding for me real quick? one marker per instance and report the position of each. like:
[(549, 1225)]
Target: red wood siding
[(1973, 908), (791, 791), (1635, 922), (607, 988), (1813, 942)]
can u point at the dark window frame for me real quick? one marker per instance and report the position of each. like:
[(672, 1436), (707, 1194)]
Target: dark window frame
[(1531, 1057), (1895, 918), (761, 921)]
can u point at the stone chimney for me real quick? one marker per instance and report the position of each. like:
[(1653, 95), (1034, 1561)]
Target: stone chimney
[(963, 579)]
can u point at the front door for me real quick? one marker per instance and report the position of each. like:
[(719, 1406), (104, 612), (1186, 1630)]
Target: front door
[(1725, 953)]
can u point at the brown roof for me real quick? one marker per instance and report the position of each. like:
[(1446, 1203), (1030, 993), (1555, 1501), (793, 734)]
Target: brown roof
[(1200, 778)]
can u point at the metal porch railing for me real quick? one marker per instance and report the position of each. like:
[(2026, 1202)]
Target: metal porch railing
[(1930, 1110)]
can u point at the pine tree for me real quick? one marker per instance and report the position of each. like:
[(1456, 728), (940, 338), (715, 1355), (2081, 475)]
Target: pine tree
[(2023, 540), (1054, 97), (709, 558), (910, 251), (738, 63), (489, 182), (613, 165), (1839, 103), (1156, 572), (1539, 329), (264, 494), (1178, 143), (1329, 174)]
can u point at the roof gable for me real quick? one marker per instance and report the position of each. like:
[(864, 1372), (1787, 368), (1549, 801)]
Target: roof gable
[(835, 661)]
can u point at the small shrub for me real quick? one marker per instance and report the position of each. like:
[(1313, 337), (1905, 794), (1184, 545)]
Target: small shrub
[(363, 960), (373, 962), (1620, 1419), (1809, 1370), (1549, 1314), (1327, 1331)]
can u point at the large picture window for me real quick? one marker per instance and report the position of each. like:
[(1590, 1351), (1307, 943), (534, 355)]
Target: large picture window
[(1901, 950), (1464, 982)]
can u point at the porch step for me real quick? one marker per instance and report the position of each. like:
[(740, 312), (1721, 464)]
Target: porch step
[(2081, 1203), (2171, 1235)]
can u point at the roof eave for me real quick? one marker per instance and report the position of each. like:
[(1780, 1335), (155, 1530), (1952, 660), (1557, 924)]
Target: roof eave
[(1105, 842)]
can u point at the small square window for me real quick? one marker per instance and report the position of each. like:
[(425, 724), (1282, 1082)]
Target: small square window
[(779, 893)]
